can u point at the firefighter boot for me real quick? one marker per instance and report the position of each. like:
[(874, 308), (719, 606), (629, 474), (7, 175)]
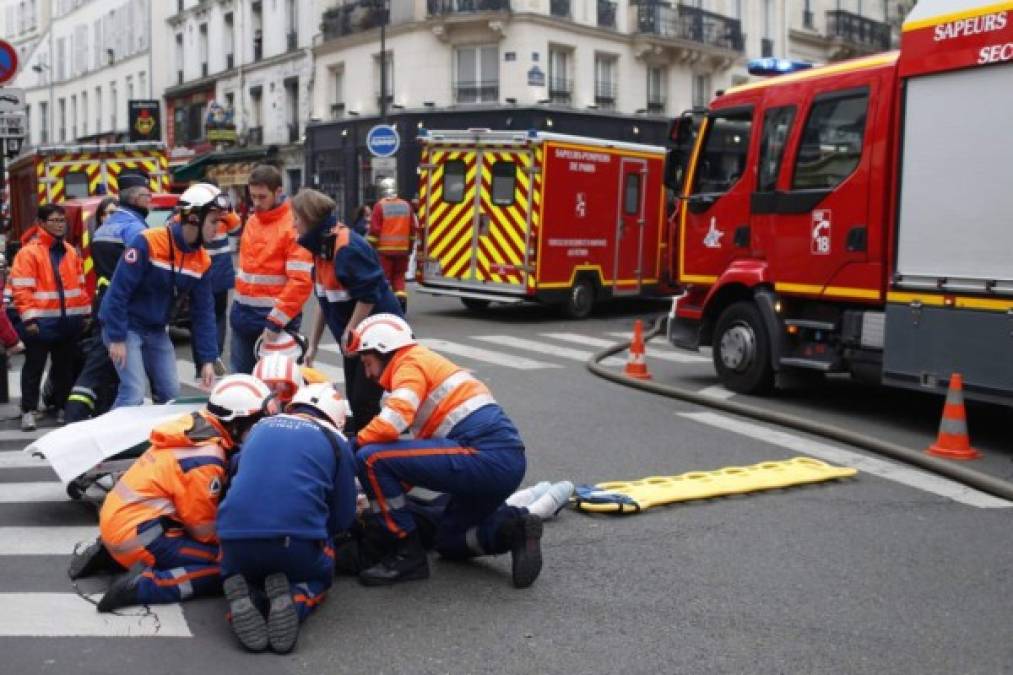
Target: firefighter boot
[(282, 619), (522, 535), (247, 622), (403, 301), (407, 562), (122, 593), (93, 559)]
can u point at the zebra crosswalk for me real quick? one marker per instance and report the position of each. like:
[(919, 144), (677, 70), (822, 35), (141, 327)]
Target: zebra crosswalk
[(39, 528)]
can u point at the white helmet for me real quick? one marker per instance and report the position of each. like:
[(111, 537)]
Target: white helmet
[(388, 188), (383, 333), (323, 397), (239, 396), (279, 372), (201, 197), (285, 342)]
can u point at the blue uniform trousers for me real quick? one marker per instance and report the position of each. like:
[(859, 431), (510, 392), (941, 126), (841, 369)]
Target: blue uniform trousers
[(477, 480), (183, 568), (308, 564)]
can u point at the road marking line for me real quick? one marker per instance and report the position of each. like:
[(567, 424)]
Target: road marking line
[(487, 355), (44, 540), (16, 459), (543, 348), (717, 391), (26, 436), (652, 353), (69, 615), (898, 473), (41, 491)]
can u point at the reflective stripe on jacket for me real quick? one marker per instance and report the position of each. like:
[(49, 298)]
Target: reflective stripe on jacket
[(57, 303), (140, 296), (346, 270), (273, 281), (178, 481), (392, 226), (428, 394)]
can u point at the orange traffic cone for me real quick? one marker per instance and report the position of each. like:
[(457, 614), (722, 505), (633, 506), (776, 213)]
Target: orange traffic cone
[(953, 441), (635, 365)]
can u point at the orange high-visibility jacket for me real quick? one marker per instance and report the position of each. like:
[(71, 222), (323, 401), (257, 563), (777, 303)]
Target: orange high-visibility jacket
[(392, 226), (274, 270), (428, 394), (42, 296), (176, 482)]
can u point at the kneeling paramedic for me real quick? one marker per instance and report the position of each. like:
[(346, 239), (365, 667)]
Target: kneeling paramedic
[(464, 445), (160, 516), (159, 266), (293, 490)]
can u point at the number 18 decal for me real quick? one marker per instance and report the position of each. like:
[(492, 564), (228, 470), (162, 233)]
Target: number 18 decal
[(820, 240)]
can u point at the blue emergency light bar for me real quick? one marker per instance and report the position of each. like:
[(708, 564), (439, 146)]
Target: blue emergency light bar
[(775, 66)]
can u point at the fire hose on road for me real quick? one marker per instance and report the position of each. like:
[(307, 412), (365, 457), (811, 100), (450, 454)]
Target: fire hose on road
[(970, 477)]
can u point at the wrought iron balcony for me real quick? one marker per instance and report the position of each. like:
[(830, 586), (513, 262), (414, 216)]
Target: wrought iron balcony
[(606, 14), (858, 30), (352, 17), (483, 91), (441, 7), (655, 102), (560, 89), (689, 23), (766, 47), (291, 41), (560, 8), (255, 136), (605, 94)]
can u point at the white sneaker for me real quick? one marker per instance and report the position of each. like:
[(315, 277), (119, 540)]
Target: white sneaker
[(28, 421), (528, 495), (553, 501)]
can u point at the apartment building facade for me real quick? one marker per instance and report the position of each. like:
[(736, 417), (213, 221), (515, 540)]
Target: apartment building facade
[(82, 61), (253, 59)]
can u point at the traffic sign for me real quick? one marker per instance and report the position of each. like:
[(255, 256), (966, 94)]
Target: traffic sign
[(12, 100), (383, 140), (8, 62), (12, 125)]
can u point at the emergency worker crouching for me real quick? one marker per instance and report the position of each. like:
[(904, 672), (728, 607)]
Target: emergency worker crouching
[(161, 513), (302, 462), (464, 445)]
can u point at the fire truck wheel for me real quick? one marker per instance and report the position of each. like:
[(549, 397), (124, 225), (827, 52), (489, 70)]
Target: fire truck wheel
[(475, 304), (580, 300), (741, 350)]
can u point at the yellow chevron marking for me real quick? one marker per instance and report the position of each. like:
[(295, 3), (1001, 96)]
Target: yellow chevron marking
[(454, 234)]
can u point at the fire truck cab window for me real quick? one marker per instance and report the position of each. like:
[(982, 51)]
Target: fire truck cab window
[(453, 181), (631, 194), (723, 157), (831, 145), (75, 185), (504, 182), (776, 126)]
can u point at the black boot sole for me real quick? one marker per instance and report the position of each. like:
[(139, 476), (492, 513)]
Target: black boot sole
[(526, 552), (247, 622), (282, 620)]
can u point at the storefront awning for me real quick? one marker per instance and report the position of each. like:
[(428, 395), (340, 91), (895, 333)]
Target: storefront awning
[(229, 167)]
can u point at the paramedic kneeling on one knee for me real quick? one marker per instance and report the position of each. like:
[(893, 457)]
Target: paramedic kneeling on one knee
[(464, 445)]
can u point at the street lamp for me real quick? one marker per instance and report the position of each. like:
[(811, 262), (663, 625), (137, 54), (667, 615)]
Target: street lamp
[(384, 7)]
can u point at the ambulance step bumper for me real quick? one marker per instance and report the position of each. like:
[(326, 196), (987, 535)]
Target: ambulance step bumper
[(477, 295)]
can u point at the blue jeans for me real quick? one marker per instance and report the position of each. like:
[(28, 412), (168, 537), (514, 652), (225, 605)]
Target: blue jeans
[(150, 355)]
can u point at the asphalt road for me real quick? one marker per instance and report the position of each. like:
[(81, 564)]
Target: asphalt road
[(890, 571)]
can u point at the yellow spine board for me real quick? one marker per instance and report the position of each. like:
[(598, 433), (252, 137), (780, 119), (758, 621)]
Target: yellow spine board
[(732, 480)]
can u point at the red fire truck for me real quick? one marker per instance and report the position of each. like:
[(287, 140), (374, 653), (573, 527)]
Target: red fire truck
[(532, 216), (858, 218)]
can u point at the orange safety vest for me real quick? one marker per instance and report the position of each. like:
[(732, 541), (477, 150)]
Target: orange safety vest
[(37, 294), (175, 485), (392, 226), (428, 394), (274, 270)]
